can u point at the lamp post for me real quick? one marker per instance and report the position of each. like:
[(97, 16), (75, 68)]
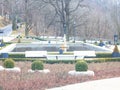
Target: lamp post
[(115, 39)]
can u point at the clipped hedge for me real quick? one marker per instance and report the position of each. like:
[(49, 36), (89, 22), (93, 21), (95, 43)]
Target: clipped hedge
[(37, 65), (93, 60), (81, 66), (60, 61), (16, 55), (116, 52), (27, 59), (9, 63), (98, 55), (101, 60), (88, 60), (103, 55)]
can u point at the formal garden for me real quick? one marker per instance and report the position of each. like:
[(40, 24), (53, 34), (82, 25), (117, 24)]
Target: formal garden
[(31, 70), (30, 77), (46, 44), (58, 75), (19, 72)]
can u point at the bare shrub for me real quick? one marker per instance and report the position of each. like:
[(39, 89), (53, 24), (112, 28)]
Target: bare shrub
[(57, 77)]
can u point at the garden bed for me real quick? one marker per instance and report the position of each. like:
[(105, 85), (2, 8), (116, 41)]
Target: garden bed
[(58, 76)]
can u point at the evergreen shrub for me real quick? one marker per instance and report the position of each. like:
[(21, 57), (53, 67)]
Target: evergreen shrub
[(116, 52), (37, 65), (81, 66), (9, 63)]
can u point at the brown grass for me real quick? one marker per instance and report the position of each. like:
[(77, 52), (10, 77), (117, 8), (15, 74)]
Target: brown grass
[(3, 22), (57, 77)]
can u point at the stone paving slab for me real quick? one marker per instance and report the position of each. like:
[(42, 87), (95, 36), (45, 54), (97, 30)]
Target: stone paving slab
[(8, 48), (105, 84)]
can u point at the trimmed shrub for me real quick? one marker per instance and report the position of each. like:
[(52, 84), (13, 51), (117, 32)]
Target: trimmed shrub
[(50, 53), (9, 63), (81, 66), (17, 56), (88, 60), (116, 52), (37, 65), (116, 49), (103, 55)]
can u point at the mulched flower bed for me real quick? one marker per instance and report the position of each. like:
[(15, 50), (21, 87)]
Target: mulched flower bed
[(58, 76)]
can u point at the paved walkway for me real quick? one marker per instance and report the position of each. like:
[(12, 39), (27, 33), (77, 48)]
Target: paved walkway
[(8, 48), (105, 84)]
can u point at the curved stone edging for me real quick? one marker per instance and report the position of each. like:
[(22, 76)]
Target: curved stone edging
[(15, 69), (83, 73), (41, 71), (1, 68)]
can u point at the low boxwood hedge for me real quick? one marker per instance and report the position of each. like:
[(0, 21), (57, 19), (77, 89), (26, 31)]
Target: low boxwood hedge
[(9, 63), (98, 55), (92, 60), (103, 55), (16, 55), (81, 66), (60, 61), (37, 65), (100, 60)]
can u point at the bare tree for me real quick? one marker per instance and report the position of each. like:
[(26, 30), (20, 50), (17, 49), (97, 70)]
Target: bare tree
[(116, 16), (32, 14), (63, 11), (56, 17)]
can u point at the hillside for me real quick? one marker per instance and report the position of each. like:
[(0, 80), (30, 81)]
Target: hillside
[(94, 19), (3, 22)]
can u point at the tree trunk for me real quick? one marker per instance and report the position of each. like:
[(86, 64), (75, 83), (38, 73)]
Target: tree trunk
[(67, 3)]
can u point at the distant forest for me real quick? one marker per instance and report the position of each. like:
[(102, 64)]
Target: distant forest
[(85, 19)]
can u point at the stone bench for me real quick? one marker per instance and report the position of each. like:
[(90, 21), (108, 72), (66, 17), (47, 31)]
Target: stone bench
[(35, 53), (82, 54)]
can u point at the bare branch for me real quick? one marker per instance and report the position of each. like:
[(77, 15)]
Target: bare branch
[(78, 5), (53, 19)]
